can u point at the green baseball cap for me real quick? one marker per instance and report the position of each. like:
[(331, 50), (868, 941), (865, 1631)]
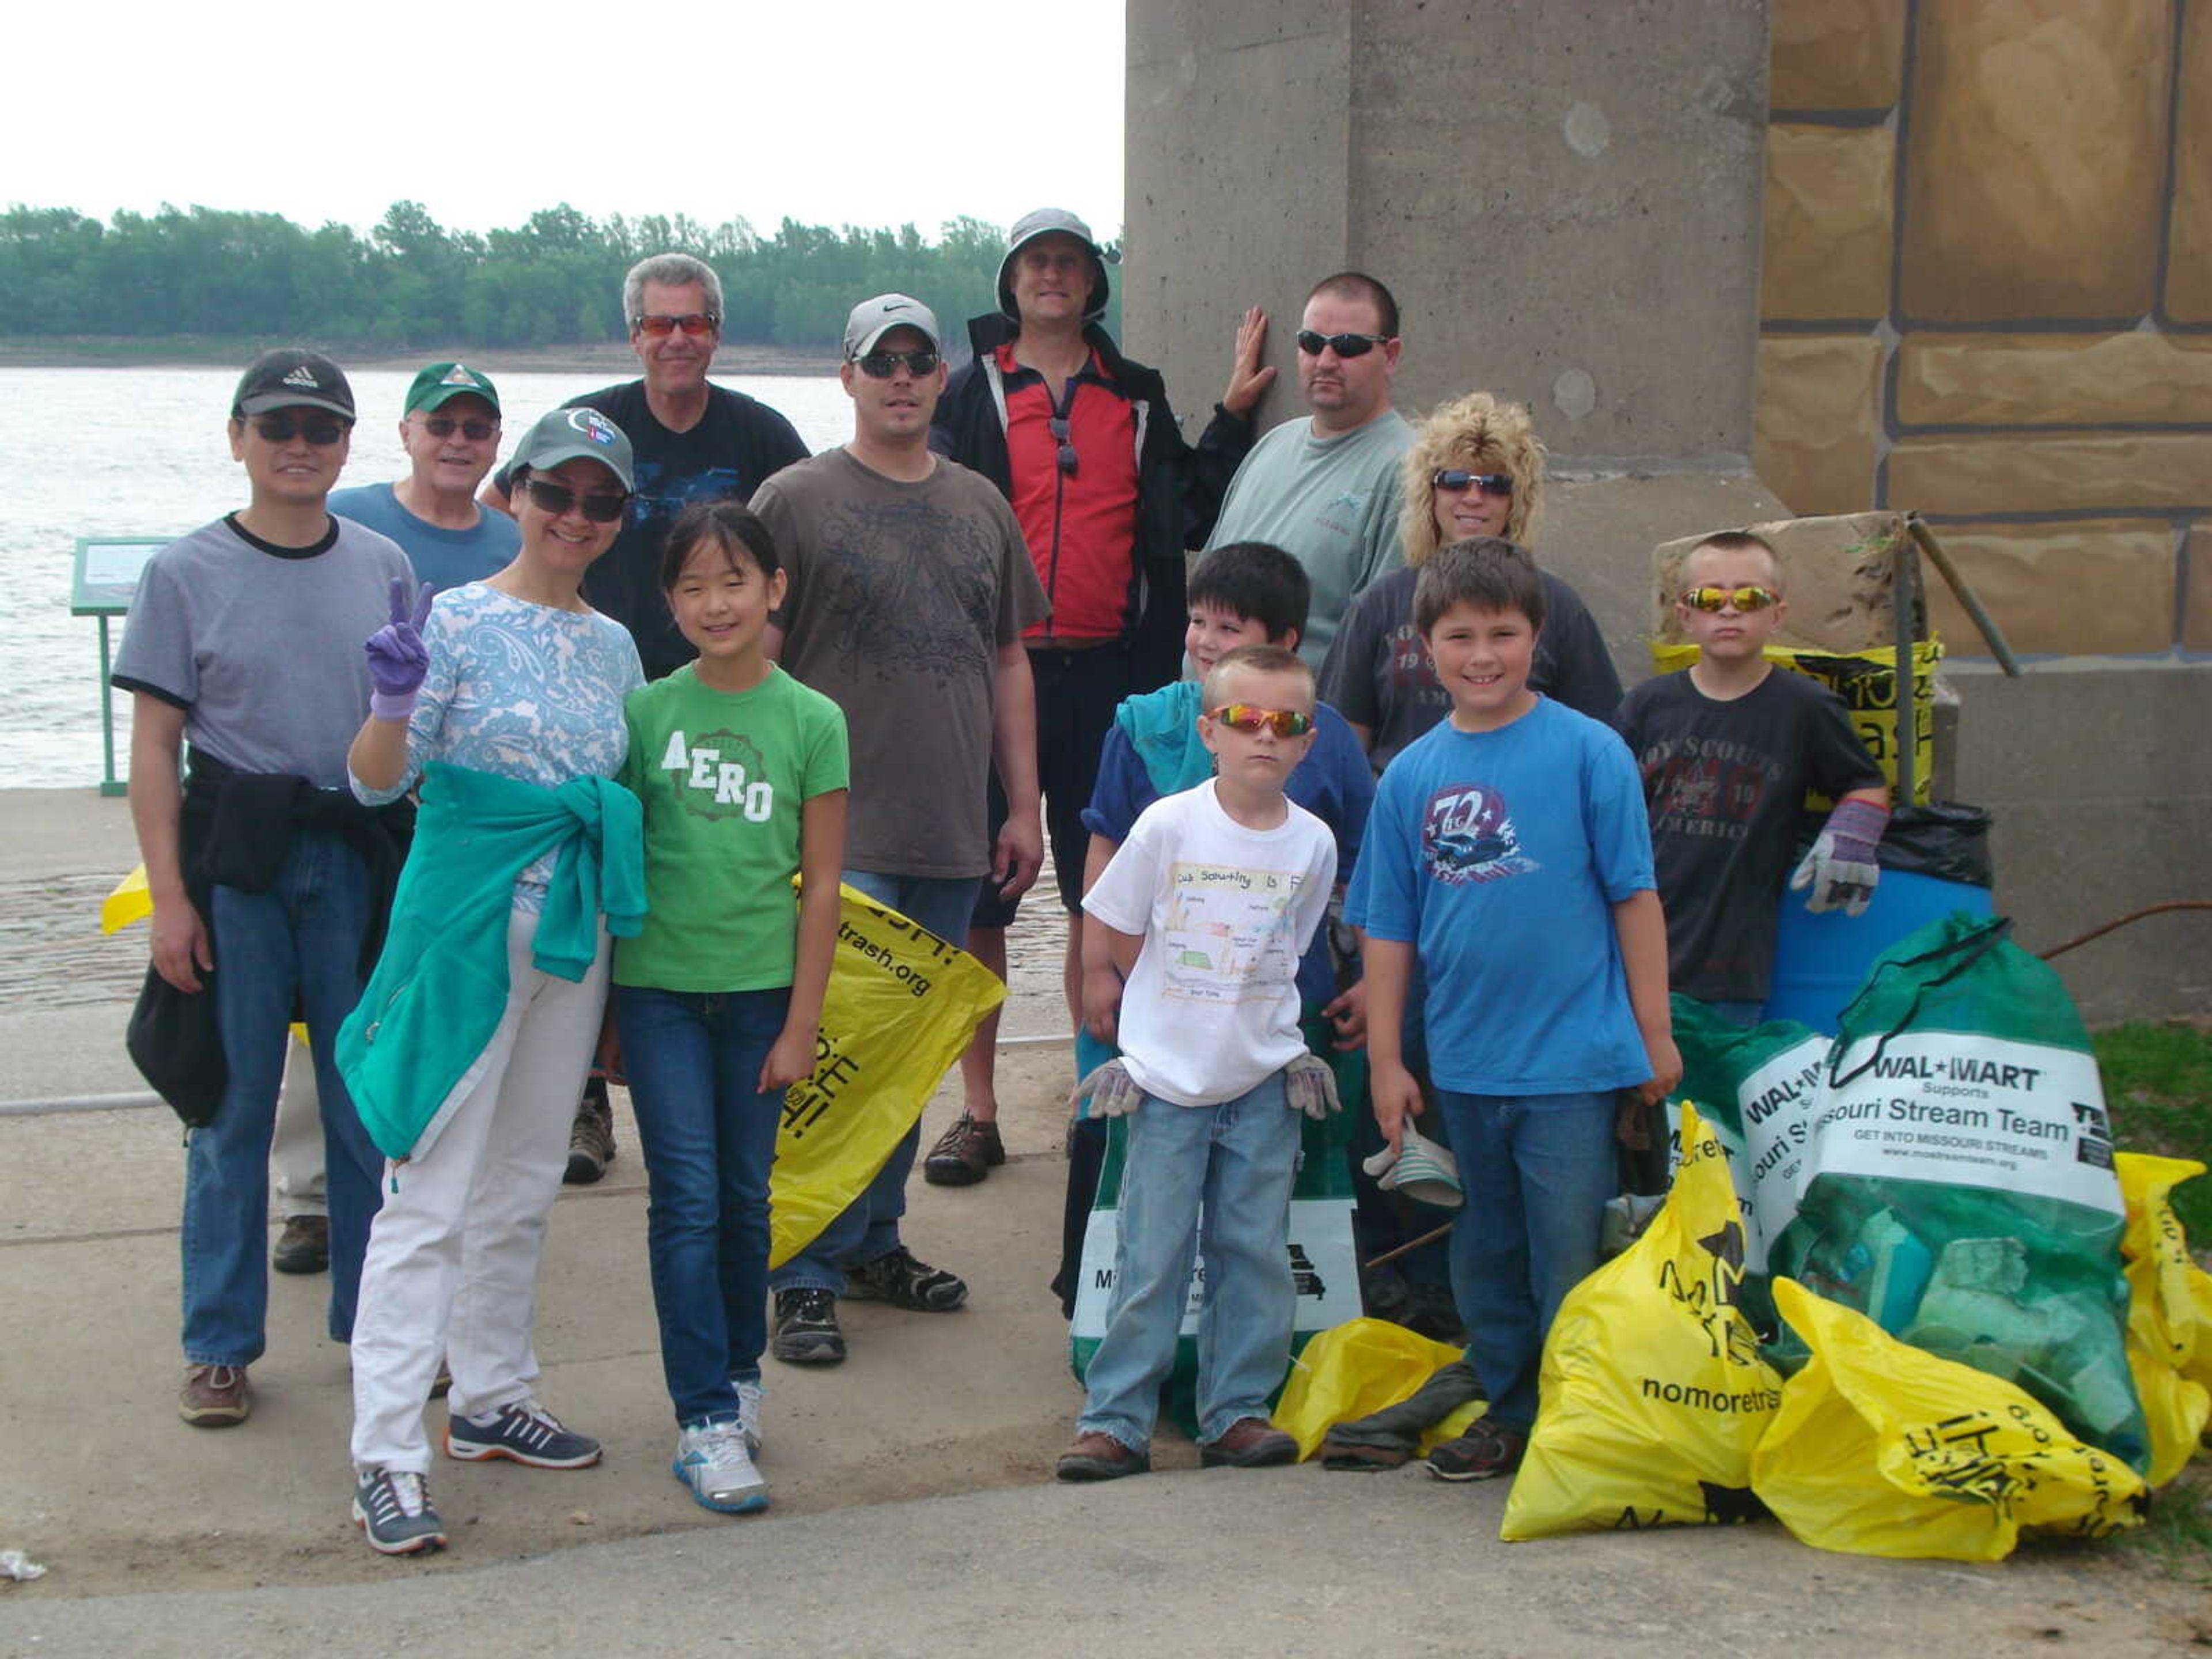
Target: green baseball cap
[(567, 434), (441, 382)]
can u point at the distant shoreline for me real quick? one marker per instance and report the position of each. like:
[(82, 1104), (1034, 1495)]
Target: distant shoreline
[(613, 359)]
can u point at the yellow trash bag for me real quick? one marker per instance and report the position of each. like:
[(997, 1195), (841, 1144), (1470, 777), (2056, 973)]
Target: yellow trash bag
[(1883, 1449), (131, 901), (2165, 1330), (900, 1005), (1351, 1369), (1653, 1392)]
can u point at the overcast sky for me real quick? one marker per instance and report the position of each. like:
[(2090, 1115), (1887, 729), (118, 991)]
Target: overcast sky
[(849, 111)]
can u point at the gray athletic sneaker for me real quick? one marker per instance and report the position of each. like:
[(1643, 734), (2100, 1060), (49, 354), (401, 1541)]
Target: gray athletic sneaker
[(711, 1459), (524, 1432), (391, 1507)]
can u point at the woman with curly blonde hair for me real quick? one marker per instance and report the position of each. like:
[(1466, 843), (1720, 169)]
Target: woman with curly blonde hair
[(1476, 469)]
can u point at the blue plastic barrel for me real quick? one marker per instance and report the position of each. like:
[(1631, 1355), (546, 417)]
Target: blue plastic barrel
[(1819, 962)]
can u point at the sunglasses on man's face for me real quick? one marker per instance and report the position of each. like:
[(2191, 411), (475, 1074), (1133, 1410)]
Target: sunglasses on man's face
[(1344, 345), (1451, 480), (1718, 599), (881, 365), (444, 426), (1283, 722), (692, 322), (600, 506), (318, 430)]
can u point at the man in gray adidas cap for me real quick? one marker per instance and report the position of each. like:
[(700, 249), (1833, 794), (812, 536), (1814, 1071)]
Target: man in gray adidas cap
[(908, 590), (1081, 441)]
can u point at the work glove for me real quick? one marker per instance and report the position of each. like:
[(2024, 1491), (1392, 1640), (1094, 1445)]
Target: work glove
[(1310, 1086), (398, 658), (1841, 869), (1113, 1091)]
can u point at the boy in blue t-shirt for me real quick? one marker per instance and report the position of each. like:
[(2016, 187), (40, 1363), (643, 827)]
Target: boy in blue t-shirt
[(1509, 854)]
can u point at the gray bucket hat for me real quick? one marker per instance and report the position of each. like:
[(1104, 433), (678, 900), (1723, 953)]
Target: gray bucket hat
[(1046, 221)]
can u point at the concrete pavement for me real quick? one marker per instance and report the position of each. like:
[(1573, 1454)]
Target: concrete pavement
[(913, 1510)]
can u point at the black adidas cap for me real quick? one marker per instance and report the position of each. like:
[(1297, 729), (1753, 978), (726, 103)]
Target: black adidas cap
[(292, 378)]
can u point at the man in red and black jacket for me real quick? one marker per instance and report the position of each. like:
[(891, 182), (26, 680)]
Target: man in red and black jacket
[(1110, 496)]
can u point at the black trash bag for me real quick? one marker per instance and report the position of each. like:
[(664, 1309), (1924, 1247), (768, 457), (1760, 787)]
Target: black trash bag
[(1947, 841)]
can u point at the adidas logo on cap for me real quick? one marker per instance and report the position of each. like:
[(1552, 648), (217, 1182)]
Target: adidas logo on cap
[(304, 377)]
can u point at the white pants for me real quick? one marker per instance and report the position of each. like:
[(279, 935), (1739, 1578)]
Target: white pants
[(296, 1154), (452, 1259)]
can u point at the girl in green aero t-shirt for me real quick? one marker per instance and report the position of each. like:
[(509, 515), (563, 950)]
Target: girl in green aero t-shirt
[(742, 771)]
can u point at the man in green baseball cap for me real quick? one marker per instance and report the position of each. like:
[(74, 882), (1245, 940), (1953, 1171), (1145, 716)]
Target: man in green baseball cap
[(450, 432)]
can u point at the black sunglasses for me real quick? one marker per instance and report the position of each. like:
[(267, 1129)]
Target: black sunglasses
[(600, 506), (1064, 457), (1344, 345), (318, 430), (1451, 480), (444, 426), (881, 365)]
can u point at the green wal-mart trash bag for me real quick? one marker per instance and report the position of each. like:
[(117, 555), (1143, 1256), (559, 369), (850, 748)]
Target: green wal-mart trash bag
[(1959, 1185)]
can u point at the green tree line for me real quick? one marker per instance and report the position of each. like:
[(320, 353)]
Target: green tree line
[(555, 279)]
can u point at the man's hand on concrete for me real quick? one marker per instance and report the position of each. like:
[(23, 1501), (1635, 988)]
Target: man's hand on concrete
[(1247, 379)]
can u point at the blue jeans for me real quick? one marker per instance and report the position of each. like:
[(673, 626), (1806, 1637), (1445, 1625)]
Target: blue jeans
[(1214, 1181), (869, 1226), (1538, 1170), (694, 1061), (300, 941)]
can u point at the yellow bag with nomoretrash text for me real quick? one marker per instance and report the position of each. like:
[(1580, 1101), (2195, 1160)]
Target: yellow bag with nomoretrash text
[(2165, 1330), (900, 1005), (1883, 1448), (1653, 1392)]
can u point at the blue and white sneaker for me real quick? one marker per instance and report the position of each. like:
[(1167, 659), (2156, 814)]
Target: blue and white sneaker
[(391, 1507), (522, 1431), (711, 1459), (750, 1395)]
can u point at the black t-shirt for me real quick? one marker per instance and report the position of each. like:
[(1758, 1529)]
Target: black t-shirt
[(1379, 674), (1725, 783), (737, 444)]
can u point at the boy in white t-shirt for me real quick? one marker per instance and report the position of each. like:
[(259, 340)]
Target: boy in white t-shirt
[(1206, 908)]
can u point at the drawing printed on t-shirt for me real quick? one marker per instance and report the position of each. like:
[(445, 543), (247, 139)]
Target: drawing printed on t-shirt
[(1710, 788), (908, 588), (1227, 933), (723, 775), (1467, 835), (663, 492)]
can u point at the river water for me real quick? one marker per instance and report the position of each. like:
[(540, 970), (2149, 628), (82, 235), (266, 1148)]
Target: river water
[(140, 452)]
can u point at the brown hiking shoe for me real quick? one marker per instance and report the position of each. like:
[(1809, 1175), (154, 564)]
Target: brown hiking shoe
[(1097, 1455), (964, 1154), (214, 1396), (591, 1137), (304, 1246), (1249, 1442)]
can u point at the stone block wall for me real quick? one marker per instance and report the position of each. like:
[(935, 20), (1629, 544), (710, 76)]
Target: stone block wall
[(1987, 296)]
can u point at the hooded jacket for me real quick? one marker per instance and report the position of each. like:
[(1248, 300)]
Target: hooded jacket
[(1179, 485)]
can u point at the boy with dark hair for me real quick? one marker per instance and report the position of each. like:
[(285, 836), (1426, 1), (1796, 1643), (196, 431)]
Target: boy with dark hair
[(1508, 853), (1205, 908), (1728, 749), (1246, 593)]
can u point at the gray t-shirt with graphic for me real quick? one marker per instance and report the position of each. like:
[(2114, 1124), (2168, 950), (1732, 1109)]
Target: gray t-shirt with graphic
[(260, 646), (900, 596)]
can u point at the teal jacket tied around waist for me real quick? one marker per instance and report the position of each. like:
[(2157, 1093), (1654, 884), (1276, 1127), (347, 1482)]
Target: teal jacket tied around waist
[(413, 1046)]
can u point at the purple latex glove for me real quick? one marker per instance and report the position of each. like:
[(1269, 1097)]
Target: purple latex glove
[(1841, 869), (398, 658)]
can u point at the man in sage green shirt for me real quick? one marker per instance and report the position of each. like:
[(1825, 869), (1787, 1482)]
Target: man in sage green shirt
[(1325, 489)]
